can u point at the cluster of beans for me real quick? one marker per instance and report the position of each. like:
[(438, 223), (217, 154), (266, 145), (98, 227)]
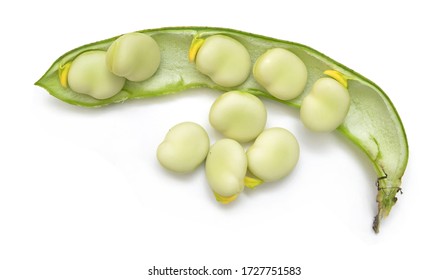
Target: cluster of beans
[(239, 116)]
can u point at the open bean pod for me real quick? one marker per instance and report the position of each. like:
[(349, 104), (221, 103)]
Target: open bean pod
[(371, 123)]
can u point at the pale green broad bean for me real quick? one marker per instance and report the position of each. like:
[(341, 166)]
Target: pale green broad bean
[(225, 60), (282, 73), (184, 148), (225, 169), (238, 115), (135, 56), (326, 106), (89, 75), (273, 155)]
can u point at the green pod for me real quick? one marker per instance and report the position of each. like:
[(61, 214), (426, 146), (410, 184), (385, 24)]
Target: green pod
[(372, 123)]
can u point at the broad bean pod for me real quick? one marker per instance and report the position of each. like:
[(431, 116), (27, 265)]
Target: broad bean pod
[(372, 122)]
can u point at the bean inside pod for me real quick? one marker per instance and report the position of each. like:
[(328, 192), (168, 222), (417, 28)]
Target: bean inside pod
[(135, 56), (89, 75), (281, 72), (326, 106), (225, 60)]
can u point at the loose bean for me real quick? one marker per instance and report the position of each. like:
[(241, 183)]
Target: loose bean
[(225, 169), (184, 148), (238, 115), (273, 155)]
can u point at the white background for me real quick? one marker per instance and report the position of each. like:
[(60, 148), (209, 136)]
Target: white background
[(83, 197)]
